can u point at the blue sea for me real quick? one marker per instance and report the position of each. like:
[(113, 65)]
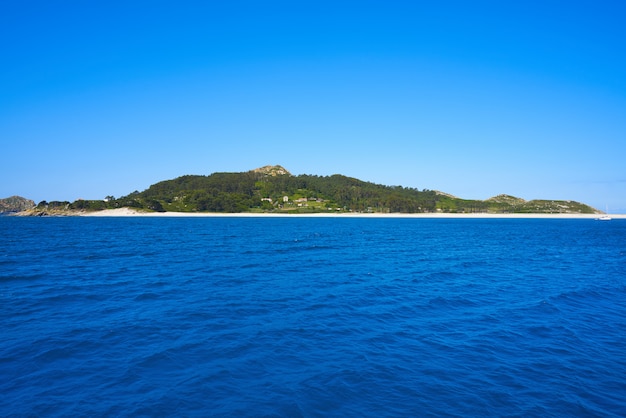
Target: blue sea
[(312, 317)]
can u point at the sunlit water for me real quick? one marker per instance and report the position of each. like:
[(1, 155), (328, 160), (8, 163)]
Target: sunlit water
[(312, 317)]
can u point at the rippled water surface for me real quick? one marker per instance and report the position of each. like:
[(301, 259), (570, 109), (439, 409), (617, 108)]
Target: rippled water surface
[(312, 317)]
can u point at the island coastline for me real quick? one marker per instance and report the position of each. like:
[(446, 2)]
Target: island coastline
[(128, 212)]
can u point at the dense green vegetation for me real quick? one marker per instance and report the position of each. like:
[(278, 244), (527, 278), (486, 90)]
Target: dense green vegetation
[(263, 190), (273, 189), (238, 192)]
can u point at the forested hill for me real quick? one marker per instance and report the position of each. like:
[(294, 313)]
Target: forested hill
[(274, 189), (238, 192)]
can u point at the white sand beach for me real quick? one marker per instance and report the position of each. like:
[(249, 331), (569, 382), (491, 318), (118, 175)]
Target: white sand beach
[(125, 212)]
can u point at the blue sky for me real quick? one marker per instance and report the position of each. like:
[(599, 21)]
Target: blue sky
[(472, 98)]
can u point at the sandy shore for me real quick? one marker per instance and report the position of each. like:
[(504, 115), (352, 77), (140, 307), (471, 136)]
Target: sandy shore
[(130, 212)]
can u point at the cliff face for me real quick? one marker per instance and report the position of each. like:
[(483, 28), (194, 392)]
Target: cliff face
[(15, 204)]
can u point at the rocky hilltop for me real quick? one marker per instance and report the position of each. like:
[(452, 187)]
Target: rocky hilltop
[(272, 170), (506, 199), (15, 204)]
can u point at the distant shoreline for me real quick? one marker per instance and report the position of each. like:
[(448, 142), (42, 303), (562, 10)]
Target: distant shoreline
[(127, 212)]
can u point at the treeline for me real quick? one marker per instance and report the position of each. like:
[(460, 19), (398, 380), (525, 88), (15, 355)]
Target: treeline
[(80, 204)]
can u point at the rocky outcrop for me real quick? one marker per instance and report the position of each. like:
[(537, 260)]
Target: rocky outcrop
[(508, 203), (272, 170), (15, 204), (508, 199)]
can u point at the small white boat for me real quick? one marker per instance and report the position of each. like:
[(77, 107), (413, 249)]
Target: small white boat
[(606, 216)]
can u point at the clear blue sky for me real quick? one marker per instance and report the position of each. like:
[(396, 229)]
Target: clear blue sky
[(474, 98)]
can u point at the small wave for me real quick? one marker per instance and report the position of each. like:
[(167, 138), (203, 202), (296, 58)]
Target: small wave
[(25, 277), (147, 296), (453, 302)]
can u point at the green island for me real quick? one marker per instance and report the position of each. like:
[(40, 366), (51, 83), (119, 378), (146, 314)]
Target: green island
[(272, 189)]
